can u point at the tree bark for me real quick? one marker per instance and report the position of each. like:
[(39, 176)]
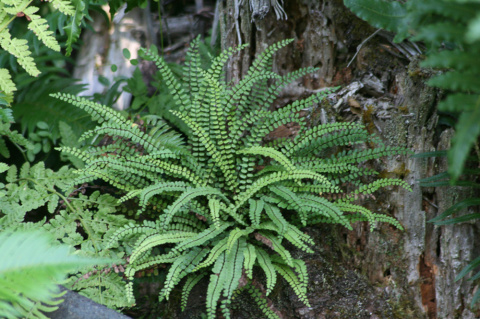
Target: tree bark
[(410, 273)]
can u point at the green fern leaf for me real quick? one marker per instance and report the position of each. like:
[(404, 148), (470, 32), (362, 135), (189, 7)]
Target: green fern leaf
[(265, 263), (185, 198), (201, 238), (6, 83), (388, 15), (73, 28), (233, 270), (39, 26), (467, 132), (276, 245), (256, 208), (459, 102), (175, 89), (216, 285), (182, 266), (215, 252), (262, 303), (64, 6), (235, 235), (157, 239), (31, 275), (250, 256), (270, 152), (274, 214), (457, 81), (19, 49), (292, 279), (188, 286), (157, 189)]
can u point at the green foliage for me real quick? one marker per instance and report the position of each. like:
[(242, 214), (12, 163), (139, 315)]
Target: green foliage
[(450, 31), (213, 210), (75, 219), (10, 10), (388, 15), (32, 271)]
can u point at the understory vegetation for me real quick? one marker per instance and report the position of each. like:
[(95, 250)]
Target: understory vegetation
[(185, 183)]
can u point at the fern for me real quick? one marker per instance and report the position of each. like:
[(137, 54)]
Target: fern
[(81, 221), (29, 277), (209, 210)]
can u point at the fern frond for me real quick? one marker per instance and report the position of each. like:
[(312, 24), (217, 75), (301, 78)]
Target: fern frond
[(262, 303), (19, 49), (64, 6), (216, 285), (211, 149), (6, 83), (159, 188), (233, 270), (181, 267), (214, 205), (276, 245), (200, 238), (265, 263), (298, 287), (276, 217), (292, 200), (323, 207), (73, 28), (255, 210), (188, 286), (374, 186), (215, 252), (185, 198), (30, 276), (388, 15), (40, 26), (276, 177), (155, 239), (250, 256), (298, 239), (359, 156), (235, 235), (179, 95), (219, 62), (270, 152)]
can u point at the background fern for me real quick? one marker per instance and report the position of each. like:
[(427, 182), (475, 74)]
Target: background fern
[(30, 274), (208, 208), (64, 18)]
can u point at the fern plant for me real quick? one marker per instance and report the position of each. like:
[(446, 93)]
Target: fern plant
[(225, 205), (30, 273), (12, 9), (79, 220), (67, 17)]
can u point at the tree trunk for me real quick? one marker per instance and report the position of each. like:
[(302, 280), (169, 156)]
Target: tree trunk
[(407, 274)]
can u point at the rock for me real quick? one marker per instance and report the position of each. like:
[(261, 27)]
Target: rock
[(76, 306)]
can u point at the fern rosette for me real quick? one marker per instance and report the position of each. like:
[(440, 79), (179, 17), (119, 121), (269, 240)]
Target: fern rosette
[(225, 205)]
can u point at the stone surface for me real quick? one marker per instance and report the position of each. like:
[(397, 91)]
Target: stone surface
[(76, 306)]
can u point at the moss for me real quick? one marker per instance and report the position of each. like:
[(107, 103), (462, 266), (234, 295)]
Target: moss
[(399, 172), (367, 119)]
